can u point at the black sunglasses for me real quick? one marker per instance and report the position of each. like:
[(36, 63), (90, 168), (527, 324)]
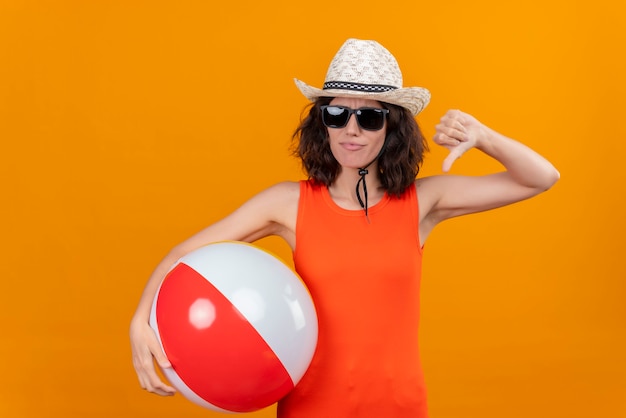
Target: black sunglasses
[(368, 118)]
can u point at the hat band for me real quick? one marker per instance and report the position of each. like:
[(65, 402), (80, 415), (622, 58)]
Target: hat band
[(369, 88)]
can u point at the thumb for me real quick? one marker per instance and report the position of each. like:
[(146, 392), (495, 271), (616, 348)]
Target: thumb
[(454, 155), (162, 361), (160, 357)]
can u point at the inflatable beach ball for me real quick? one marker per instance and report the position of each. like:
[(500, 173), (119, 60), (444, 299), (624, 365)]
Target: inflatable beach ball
[(237, 324)]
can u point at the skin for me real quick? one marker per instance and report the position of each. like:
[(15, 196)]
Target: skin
[(274, 210)]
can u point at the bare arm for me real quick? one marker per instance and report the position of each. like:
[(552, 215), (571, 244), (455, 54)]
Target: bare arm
[(271, 212), (527, 173)]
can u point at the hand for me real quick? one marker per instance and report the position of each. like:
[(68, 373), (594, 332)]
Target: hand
[(458, 132), (146, 349)]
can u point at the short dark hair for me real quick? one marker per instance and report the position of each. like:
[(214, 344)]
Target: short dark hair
[(398, 165)]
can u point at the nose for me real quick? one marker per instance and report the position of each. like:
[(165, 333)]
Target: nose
[(352, 127)]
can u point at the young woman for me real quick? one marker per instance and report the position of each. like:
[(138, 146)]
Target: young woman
[(357, 228)]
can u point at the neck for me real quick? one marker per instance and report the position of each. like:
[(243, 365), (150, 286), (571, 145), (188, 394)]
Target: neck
[(343, 188)]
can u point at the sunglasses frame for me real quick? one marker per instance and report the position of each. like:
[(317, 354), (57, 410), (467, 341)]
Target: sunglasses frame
[(356, 112)]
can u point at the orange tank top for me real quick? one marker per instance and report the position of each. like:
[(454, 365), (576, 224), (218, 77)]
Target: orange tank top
[(364, 279)]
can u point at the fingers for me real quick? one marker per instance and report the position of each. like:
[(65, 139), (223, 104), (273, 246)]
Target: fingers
[(450, 137), (148, 377), (450, 131), (146, 350), (162, 389), (454, 133)]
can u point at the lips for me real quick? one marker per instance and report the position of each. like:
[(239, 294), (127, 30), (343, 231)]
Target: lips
[(351, 146)]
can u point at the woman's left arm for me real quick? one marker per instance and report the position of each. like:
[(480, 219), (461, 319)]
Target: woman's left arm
[(527, 173)]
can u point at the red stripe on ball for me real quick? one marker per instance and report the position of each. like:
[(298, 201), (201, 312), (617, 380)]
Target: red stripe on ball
[(214, 350)]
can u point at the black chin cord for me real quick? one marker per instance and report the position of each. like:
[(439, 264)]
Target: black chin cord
[(362, 172)]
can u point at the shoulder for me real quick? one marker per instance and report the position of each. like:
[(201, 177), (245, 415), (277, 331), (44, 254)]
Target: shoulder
[(428, 188), (278, 202), (286, 191), (430, 191), (283, 199), (272, 211), (275, 196)]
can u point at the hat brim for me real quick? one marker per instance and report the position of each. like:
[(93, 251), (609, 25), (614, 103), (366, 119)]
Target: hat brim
[(415, 99)]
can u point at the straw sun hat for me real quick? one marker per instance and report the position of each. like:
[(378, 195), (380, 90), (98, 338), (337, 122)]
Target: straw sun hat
[(367, 70)]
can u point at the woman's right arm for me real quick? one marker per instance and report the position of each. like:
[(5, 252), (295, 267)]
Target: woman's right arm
[(271, 212)]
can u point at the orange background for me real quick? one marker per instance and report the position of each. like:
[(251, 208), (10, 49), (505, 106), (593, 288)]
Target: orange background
[(128, 125)]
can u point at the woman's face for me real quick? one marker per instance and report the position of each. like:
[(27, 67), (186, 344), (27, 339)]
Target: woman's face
[(353, 146)]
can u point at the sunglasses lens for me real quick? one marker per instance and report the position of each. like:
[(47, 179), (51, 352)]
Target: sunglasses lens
[(335, 117), (371, 119)]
